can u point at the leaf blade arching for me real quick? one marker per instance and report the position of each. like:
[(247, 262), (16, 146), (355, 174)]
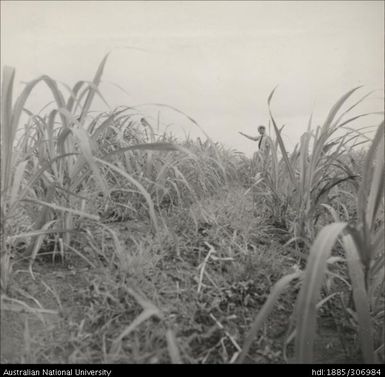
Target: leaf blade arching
[(360, 296), (265, 311), (310, 290)]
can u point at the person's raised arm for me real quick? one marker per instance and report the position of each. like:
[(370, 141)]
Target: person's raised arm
[(249, 137)]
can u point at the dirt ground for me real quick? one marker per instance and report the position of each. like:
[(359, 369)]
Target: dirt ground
[(88, 309), (22, 331)]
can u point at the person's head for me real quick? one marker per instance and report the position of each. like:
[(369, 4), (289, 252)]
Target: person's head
[(261, 129)]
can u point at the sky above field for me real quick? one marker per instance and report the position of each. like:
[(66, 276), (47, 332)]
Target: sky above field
[(215, 61)]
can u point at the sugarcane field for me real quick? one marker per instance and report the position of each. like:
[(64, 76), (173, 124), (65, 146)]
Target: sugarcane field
[(192, 183)]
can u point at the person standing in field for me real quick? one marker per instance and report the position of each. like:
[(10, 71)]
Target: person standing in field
[(264, 144)]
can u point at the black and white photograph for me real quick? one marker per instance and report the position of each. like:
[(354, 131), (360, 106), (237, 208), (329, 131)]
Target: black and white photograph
[(192, 182)]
